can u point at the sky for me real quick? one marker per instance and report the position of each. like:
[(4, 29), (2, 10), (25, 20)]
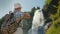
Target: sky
[(8, 5)]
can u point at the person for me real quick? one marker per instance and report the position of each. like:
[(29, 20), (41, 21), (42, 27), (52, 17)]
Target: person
[(19, 15), (26, 23)]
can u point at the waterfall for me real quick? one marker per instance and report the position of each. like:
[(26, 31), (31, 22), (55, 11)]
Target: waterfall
[(37, 23)]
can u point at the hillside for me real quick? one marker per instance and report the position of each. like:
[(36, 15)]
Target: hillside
[(52, 8)]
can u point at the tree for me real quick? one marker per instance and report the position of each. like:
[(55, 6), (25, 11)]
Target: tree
[(53, 11), (38, 7)]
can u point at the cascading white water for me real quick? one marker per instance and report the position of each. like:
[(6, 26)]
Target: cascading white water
[(38, 21)]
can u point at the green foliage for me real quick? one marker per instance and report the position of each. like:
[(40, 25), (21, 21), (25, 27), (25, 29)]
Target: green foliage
[(48, 1), (38, 7), (32, 11), (55, 27), (53, 30), (1, 21)]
